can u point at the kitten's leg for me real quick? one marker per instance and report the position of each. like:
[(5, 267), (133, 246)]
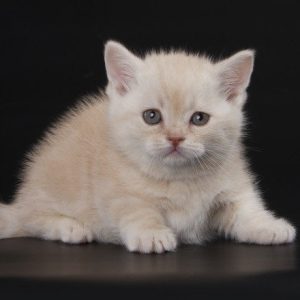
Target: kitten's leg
[(11, 224), (143, 230), (243, 217), (16, 221), (58, 227)]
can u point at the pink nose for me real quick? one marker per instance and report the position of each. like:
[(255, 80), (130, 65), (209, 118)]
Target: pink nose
[(175, 140)]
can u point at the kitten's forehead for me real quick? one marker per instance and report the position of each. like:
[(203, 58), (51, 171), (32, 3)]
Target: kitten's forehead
[(178, 69), (182, 81)]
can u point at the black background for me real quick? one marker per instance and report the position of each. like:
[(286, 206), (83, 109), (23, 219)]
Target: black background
[(51, 54)]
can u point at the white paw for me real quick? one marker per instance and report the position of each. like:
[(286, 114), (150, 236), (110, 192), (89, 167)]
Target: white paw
[(277, 231), (150, 240), (72, 232)]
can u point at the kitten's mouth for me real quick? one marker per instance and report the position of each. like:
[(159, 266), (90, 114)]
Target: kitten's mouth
[(174, 152)]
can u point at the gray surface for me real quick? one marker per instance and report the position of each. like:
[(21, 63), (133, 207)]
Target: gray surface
[(36, 259)]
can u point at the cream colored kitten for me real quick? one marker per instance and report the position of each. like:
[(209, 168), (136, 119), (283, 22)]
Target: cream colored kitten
[(155, 161)]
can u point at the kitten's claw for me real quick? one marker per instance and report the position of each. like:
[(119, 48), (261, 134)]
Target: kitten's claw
[(151, 241)]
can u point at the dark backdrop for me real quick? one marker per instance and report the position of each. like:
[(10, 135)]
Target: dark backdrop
[(51, 54)]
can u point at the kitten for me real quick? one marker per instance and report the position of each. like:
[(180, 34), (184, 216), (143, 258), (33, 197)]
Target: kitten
[(154, 161)]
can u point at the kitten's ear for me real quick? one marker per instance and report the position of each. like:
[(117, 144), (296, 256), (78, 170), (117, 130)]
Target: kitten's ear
[(121, 66), (235, 72)]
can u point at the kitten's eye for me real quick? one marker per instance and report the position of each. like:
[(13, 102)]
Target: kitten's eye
[(199, 118), (152, 116)]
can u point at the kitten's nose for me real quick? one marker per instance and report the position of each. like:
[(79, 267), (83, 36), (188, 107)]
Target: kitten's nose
[(175, 140)]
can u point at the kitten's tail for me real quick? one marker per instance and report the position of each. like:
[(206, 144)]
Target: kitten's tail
[(10, 221)]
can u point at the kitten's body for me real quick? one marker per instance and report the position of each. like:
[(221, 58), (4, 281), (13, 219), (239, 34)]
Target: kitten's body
[(91, 179)]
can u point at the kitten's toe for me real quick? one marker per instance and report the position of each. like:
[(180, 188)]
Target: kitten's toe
[(279, 231), (151, 241), (88, 235)]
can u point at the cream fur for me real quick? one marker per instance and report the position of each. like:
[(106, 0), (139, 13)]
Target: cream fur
[(101, 173)]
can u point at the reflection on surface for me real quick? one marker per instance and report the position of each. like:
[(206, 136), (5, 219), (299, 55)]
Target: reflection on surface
[(32, 258)]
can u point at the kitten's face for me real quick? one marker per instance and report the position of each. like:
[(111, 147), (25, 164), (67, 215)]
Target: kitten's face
[(171, 113)]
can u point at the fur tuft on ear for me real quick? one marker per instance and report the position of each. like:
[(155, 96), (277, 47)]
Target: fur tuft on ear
[(235, 72), (121, 66)]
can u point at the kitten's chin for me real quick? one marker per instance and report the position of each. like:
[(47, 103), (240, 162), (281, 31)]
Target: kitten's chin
[(171, 164), (172, 168), (182, 157), (175, 158)]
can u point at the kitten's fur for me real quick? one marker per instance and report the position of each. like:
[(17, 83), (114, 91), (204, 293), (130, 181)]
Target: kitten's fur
[(103, 174)]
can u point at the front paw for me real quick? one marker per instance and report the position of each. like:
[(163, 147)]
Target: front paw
[(150, 240), (271, 232)]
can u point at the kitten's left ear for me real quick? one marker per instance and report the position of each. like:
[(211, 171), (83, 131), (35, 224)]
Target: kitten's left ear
[(121, 66), (235, 72)]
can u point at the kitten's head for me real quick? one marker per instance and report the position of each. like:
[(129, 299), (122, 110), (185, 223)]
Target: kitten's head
[(176, 115)]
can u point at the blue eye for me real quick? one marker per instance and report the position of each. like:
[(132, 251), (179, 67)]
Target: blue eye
[(152, 116), (199, 118)]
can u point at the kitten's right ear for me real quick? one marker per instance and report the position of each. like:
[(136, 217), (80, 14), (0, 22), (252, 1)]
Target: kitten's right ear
[(121, 66)]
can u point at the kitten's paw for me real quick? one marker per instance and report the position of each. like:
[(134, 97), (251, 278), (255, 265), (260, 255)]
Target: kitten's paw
[(151, 240), (72, 232), (277, 231)]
